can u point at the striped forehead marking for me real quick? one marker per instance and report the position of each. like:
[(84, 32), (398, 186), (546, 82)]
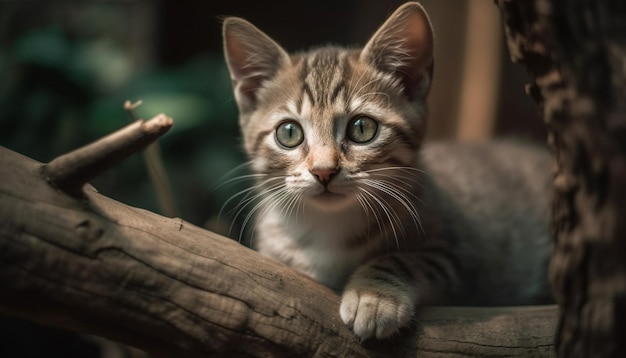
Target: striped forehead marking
[(323, 77)]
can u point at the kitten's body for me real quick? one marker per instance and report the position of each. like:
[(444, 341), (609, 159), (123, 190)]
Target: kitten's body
[(489, 202), (473, 199), (334, 136)]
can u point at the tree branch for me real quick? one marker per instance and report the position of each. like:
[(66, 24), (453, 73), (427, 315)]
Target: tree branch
[(71, 171), (95, 265)]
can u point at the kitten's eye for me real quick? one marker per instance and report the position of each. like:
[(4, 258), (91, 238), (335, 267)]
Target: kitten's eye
[(362, 129), (289, 134)]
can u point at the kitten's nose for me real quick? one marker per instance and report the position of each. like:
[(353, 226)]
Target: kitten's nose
[(323, 175)]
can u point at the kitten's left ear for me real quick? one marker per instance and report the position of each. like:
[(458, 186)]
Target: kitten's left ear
[(403, 46)]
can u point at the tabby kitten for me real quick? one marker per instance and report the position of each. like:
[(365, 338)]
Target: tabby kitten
[(348, 197)]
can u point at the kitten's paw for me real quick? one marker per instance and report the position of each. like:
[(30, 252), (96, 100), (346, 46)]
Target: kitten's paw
[(372, 314)]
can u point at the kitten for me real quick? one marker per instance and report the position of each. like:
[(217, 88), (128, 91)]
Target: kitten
[(349, 197)]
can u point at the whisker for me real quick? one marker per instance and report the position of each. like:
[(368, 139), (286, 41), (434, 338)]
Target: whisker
[(278, 190), (239, 178), (389, 212), (257, 190), (414, 179), (401, 198), (402, 185), (402, 181), (275, 199), (399, 168), (291, 205), (248, 201), (246, 191), (365, 204), (229, 173), (357, 90)]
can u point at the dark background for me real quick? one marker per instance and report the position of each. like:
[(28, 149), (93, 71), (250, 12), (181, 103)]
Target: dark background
[(66, 68)]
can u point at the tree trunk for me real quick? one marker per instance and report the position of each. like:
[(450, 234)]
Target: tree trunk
[(72, 258), (576, 52)]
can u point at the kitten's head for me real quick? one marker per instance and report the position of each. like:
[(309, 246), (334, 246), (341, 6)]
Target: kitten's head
[(320, 124)]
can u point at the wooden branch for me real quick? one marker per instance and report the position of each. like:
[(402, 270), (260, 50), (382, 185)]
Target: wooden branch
[(576, 52), (95, 265), (71, 171)]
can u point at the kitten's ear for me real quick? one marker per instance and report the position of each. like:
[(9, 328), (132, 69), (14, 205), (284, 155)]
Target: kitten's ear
[(252, 58), (403, 46)]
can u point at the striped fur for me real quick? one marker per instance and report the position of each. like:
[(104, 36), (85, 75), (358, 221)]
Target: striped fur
[(389, 228)]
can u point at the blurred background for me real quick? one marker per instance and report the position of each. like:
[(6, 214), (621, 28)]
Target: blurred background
[(66, 68)]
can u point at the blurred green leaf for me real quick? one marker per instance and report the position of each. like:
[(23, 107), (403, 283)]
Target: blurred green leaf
[(46, 47)]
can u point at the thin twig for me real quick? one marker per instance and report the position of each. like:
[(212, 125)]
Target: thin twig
[(130, 107), (156, 169)]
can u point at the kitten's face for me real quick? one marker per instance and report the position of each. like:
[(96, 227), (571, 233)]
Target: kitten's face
[(328, 121), (328, 126)]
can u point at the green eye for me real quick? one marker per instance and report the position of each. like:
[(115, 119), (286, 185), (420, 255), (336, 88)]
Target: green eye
[(362, 129), (289, 134)]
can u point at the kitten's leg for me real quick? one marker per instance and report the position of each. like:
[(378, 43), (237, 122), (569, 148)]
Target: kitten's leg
[(382, 295)]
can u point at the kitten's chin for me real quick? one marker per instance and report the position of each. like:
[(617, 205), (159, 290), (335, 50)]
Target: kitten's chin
[(330, 201), (328, 196)]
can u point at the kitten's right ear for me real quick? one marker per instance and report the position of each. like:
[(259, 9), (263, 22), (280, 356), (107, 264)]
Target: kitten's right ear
[(252, 58)]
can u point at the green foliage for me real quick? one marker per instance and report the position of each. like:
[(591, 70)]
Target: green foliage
[(59, 91)]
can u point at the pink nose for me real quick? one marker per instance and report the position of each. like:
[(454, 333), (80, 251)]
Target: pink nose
[(323, 175)]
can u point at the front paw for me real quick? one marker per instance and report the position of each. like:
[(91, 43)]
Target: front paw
[(376, 312)]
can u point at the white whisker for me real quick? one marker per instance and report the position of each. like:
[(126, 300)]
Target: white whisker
[(399, 168), (239, 178), (243, 200), (275, 191), (248, 201), (220, 181), (392, 191), (399, 184), (389, 212), (405, 185), (367, 207)]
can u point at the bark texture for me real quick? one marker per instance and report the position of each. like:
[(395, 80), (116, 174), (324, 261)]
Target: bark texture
[(72, 258), (576, 52)]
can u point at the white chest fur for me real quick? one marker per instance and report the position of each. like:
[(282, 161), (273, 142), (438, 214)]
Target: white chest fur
[(316, 243)]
